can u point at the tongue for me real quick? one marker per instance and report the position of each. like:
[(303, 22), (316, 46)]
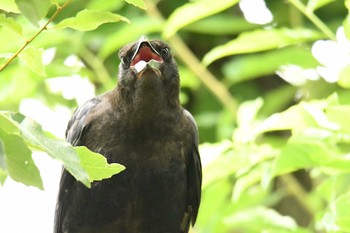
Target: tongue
[(145, 54)]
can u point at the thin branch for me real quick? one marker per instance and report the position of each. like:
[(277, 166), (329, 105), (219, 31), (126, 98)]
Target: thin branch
[(313, 18), (59, 9), (192, 62)]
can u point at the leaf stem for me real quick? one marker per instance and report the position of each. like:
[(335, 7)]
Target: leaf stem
[(27, 42), (192, 62), (313, 18)]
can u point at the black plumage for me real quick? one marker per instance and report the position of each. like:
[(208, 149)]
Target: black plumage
[(141, 125)]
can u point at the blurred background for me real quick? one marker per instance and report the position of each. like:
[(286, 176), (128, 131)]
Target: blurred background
[(267, 82)]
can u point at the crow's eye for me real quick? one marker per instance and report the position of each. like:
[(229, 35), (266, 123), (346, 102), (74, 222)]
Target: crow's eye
[(125, 60), (164, 52)]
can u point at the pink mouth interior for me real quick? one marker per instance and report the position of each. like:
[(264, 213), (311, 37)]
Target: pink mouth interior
[(145, 53)]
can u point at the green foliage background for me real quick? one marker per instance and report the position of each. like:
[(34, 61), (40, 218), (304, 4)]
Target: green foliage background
[(275, 151)]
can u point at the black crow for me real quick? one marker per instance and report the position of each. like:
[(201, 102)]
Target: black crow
[(141, 125)]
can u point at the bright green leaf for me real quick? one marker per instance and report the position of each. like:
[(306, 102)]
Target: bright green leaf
[(344, 77), (293, 118), (138, 3), (339, 115), (7, 124), (18, 158), (9, 6), (34, 10), (191, 12), (264, 219), (96, 165), (88, 20), (11, 24), (32, 57), (261, 40), (342, 212), (105, 5), (60, 150)]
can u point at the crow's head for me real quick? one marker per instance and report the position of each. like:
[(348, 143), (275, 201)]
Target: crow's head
[(147, 69)]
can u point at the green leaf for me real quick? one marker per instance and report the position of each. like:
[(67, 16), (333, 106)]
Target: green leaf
[(34, 10), (342, 212), (191, 12), (339, 114), (268, 39), (88, 20), (294, 118), (96, 165), (9, 6), (3, 165), (259, 65), (221, 25), (32, 58), (18, 158), (11, 24), (138, 3), (3, 177), (141, 25), (60, 150), (7, 124), (264, 218)]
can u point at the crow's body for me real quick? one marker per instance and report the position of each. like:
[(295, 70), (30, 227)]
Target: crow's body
[(141, 125)]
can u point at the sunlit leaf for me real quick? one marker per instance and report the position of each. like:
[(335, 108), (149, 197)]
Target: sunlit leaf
[(261, 40), (88, 20), (293, 118), (191, 12), (138, 3), (265, 219), (32, 57), (11, 24), (34, 10), (9, 6), (18, 160), (60, 150), (7, 124), (96, 165), (342, 212)]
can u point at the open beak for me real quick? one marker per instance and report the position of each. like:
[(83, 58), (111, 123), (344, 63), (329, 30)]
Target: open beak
[(145, 56)]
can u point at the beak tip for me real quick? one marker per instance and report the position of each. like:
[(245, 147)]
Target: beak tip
[(143, 38)]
